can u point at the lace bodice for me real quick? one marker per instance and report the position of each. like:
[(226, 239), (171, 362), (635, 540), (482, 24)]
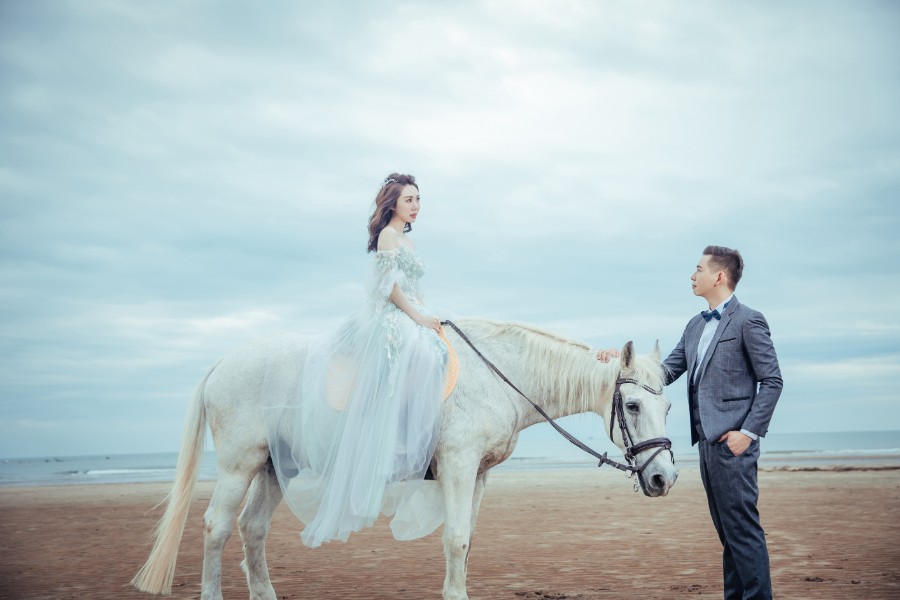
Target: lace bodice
[(401, 266)]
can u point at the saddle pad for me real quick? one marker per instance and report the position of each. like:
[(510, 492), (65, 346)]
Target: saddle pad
[(452, 365)]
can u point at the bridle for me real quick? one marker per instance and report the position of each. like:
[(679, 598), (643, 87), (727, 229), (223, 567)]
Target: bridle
[(632, 449)]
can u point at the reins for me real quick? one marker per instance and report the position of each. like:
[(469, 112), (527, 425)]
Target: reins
[(631, 449)]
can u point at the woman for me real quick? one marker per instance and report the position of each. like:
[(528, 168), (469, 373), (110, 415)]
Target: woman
[(368, 408)]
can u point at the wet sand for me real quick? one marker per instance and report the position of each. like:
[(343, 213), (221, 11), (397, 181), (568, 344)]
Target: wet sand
[(541, 535)]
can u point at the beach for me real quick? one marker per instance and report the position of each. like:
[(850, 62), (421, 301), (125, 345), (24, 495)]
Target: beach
[(553, 534)]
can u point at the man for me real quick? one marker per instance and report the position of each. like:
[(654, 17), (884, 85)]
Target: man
[(733, 386)]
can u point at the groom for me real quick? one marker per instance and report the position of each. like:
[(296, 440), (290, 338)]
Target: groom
[(734, 383), (727, 351)]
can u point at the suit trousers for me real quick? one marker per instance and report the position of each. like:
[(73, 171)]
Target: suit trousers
[(732, 493)]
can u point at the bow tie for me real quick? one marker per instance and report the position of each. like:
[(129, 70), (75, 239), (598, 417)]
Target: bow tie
[(710, 314)]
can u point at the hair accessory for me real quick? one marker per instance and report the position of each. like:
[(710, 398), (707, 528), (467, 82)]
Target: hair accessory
[(387, 181)]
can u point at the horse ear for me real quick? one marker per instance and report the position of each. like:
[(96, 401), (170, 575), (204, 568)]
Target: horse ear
[(656, 355), (627, 355)]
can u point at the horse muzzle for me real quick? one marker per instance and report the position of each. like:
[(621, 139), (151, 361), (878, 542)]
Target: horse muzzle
[(657, 482)]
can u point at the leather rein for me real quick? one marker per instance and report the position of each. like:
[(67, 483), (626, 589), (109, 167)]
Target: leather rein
[(632, 449)]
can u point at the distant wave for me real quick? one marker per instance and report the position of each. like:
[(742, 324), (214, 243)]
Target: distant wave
[(844, 452), (108, 472), (833, 468)]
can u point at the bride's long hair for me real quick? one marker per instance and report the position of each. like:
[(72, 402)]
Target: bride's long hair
[(385, 202)]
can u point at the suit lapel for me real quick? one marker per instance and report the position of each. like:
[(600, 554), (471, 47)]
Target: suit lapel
[(720, 330)]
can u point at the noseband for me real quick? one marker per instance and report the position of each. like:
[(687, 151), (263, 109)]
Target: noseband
[(631, 449)]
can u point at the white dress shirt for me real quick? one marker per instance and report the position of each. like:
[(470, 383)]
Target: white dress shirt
[(709, 330)]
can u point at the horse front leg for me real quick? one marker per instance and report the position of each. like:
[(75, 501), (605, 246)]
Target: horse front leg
[(253, 524), (477, 495), (459, 491)]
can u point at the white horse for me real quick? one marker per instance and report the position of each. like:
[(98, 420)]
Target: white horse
[(481, 421)]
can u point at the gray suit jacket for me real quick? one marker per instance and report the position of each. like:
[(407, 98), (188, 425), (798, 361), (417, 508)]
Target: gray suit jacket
[(739, 381)]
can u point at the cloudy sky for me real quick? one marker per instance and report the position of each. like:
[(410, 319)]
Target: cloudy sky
[(178, 178)]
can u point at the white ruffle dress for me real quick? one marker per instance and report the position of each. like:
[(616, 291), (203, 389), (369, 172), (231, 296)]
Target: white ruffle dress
[(363, 429)]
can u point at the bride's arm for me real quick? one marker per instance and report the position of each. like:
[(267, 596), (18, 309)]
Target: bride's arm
[(387, 240), (403, 303)]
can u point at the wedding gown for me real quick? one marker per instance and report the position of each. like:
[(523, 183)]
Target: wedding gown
[(362, 431)]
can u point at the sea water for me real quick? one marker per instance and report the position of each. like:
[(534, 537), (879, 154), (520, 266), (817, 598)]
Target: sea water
[(539, 448), (112, 468)]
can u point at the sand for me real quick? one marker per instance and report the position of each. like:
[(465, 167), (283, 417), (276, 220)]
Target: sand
[(541, 535)]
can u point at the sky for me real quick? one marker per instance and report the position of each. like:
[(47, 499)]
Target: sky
[(180, 178)]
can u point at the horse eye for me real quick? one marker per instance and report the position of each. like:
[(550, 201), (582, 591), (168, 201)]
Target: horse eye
[(633, 406)]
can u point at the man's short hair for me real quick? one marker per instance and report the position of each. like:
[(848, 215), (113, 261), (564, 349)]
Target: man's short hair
[(728, 260)]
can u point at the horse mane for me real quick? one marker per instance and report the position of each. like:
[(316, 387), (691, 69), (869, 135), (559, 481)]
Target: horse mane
[(562, 368)]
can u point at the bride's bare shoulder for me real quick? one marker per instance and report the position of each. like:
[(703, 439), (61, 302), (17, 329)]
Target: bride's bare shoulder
[(389, 239)]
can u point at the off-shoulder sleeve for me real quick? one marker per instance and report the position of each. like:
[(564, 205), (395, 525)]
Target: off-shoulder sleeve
[(385, 273)]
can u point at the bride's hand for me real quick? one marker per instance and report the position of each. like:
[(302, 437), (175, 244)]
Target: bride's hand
[(430, 323)]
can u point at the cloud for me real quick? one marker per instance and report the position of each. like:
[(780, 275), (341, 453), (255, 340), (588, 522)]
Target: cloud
[(180, 178)]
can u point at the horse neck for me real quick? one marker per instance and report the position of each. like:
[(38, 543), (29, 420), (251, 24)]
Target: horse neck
[(561, 376), (571, 395)]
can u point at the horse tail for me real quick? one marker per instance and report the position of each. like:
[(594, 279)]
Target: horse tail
[(158, 572)]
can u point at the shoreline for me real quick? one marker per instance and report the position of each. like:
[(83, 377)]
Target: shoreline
[(825, 469), (872, 463), (541, 534)]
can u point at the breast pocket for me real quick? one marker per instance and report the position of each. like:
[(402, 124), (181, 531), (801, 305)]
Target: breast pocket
[(730, 357)]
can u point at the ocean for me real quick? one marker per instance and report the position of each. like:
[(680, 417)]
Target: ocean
[(539, 448)]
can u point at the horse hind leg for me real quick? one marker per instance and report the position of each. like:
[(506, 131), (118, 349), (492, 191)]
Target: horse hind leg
[(230, 490), (253, 524)]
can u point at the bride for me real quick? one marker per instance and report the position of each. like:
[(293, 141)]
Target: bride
[(366, 417)]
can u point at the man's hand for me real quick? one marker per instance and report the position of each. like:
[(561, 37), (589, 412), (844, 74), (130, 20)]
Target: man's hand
[(737, 442), (604, 355)]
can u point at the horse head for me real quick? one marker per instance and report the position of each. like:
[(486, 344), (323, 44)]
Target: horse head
[(636, 420)]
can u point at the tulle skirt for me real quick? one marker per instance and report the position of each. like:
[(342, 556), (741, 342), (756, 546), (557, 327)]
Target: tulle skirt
[(362, 431)]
